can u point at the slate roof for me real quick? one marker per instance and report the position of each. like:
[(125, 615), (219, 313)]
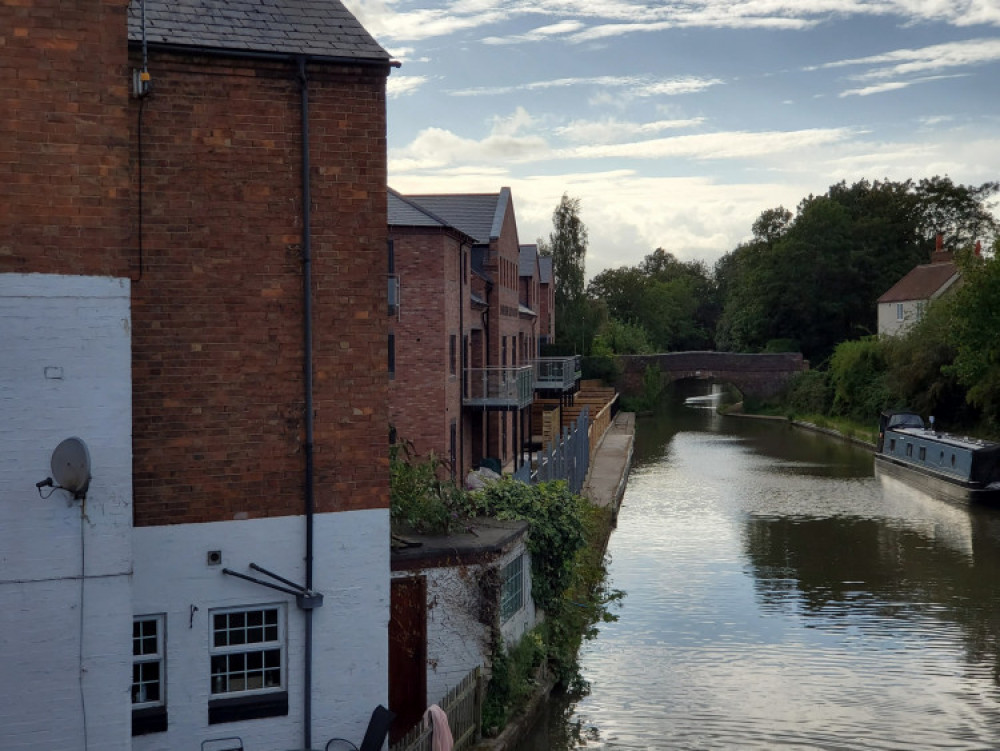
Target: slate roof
[(545, 269), (527, 259), (321, 28), (923, 283), (479, 215), (404, 212)]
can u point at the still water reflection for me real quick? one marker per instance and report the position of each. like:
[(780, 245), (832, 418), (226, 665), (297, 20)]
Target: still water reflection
[(779, 594)]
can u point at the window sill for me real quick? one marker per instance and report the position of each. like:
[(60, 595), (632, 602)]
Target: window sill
[(247, 707), (149, 720)]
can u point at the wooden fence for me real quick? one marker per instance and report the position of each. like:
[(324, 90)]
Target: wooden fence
[(464, 707)]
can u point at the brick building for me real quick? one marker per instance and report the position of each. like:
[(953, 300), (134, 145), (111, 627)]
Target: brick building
[(192, 281), (459, 330)]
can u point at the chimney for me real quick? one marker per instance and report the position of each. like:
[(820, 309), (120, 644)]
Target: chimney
[(940, 255)]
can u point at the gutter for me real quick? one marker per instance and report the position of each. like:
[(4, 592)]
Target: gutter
[(310, 479)]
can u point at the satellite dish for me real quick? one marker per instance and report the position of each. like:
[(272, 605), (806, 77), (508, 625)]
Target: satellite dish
[(71, 466)]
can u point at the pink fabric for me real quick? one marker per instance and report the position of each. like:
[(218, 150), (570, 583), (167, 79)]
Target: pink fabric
[(441, 740)]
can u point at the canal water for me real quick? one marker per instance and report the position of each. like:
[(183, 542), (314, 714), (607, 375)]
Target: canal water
[(779, 594)]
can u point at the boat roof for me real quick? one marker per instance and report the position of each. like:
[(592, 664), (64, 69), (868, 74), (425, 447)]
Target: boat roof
[(958, 441)]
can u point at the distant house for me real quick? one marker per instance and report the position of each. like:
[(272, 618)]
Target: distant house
[(432, 327), (905, 302), (529, 301), (192, 281), (479, 334), (547, 301)]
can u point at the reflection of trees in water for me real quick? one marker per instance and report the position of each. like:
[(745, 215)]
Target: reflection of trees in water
[(799, 451), (872, 570)]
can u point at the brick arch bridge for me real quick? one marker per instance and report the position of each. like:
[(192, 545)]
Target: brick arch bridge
[(760, 376)]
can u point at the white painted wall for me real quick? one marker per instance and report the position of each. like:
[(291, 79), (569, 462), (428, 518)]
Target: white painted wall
[(65, 590), (456, 641), (350, 630), (889, 323)]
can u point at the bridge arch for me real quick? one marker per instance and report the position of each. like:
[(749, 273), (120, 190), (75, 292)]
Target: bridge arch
[(759, 376)]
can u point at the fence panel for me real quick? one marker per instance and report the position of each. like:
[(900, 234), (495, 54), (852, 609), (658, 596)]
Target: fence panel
[(464, 707)]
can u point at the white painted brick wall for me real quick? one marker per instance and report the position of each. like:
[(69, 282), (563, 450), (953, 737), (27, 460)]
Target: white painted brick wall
[(65, 370), (456, 641), (350, 630)]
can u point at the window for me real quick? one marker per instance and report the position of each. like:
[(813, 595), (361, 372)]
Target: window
[(909, 449), (393, 281), (512, 588), (392, 356), (247, 653), (923, 453), (899, 311), (453, 447), (246, 650), (149, 713), (452, 354)]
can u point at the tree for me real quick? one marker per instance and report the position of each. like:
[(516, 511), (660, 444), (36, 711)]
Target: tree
[(814, 278), (673, 301), (567, 246), (975, 334)]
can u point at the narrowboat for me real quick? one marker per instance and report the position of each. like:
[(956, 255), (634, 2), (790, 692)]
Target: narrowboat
[(958, 467)]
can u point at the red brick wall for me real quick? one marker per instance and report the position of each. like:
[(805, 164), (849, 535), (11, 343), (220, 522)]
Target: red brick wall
[(503, 321), (217, 304), (63, 137), (217, 312), (424, 397)]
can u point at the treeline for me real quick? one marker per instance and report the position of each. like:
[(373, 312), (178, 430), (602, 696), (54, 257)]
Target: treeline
[(808, 281)]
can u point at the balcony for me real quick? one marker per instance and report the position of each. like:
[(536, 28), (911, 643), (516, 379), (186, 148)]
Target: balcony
[(557, 373), (506, 388)]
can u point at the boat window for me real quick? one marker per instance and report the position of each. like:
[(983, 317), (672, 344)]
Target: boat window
[(953, 460), (923, 453), (892, 444), (909, 449)]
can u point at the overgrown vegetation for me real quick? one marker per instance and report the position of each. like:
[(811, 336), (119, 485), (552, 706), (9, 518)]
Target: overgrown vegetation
[(566, 540), (573, 616), (947, 365), (422, 496)]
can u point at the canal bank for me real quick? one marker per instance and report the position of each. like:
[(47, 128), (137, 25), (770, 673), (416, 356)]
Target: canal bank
[(604, 487), (804, 425)]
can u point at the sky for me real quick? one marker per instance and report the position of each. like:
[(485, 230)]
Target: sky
[(677, 123)]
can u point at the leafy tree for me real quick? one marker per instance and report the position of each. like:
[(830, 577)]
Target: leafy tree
[(567, 246), (976, 334), (858, 377), (815, 278), (673, 301)]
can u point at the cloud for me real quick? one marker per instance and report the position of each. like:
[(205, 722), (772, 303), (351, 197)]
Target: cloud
[(640, 86), (881, 88), (591, 20), (398, 86), (937, 57), (705, 146), (611, 130), (539, 34)]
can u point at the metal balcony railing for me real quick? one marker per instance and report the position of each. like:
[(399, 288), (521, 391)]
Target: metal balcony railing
[(498, 387), (557, 373)]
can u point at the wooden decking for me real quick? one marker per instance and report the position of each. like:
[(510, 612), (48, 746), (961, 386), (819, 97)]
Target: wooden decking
[(548, 419)]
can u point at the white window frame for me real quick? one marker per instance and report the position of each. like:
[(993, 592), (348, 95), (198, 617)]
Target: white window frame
[(222, 690), (512, 588), (145, 658), (899, 311)]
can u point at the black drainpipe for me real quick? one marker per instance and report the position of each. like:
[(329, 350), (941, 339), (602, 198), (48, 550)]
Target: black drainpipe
[(308, 376)]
